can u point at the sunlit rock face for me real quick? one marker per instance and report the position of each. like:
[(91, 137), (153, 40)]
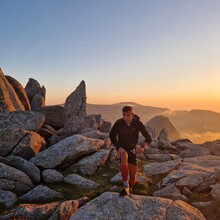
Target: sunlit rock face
[(136, 207), (9, 100), (66, 151), (32, 211), (20, 91)]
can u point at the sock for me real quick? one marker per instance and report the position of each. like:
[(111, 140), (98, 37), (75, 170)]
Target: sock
[(131, 183), (124, 172)]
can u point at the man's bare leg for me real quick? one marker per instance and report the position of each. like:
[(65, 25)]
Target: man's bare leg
[(132, 174), (124, 172)]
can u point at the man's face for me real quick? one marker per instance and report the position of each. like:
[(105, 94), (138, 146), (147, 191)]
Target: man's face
[(128, 116)]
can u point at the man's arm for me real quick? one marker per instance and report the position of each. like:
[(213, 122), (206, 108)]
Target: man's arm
[(145, 133), (113, 135)]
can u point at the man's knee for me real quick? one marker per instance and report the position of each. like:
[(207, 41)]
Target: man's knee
[(124, 157)]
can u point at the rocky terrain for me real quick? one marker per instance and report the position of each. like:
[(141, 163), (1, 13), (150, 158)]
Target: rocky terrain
[(58, 163)]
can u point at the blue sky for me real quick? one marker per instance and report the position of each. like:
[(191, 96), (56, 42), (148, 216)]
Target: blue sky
[(158, 53)]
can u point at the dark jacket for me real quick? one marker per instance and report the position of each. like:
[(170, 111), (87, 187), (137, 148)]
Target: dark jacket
[(125, 136)]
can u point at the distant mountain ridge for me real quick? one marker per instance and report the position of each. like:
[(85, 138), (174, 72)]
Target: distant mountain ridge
[(197, 125)]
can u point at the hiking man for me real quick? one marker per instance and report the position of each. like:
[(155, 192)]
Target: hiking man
[(124, 136)]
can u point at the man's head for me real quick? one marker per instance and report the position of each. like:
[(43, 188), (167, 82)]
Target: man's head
[(128, 114)]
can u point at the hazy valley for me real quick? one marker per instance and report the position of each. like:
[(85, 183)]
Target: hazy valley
[(197, 125)]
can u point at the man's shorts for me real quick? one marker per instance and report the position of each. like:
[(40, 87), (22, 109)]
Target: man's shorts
[(132, 158)]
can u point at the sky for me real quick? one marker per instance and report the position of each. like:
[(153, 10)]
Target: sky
[(162, 53)]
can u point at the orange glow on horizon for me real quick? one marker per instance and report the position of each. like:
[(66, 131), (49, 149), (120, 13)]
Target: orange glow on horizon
[(173, 103)]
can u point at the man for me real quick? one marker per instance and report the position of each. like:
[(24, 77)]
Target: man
[(124, 136)]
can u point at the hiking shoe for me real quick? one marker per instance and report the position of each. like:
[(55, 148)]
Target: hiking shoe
[(125, 191)]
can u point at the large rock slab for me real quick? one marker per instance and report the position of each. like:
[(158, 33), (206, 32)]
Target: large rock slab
[(7, 199), (32, 88), (20, 91), (40, 194), (66, 151), (9, 100), (194, 152), (80, 181), (90, 164), (136, 207), (20, 142), (156, 168), (75, 112), (14, 180), (159, 157), (31, 212), (75, 104), (29, 145), (181, 210), (215, 193), (197, 173), (65, 210), (38, 100), (25, 166), (55, 116), (25, 120), (9, 139), (213, 147), (182, 144)]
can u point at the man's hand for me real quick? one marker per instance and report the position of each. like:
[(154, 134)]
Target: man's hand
[(120, 152), (145, 144), (139, 149)]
